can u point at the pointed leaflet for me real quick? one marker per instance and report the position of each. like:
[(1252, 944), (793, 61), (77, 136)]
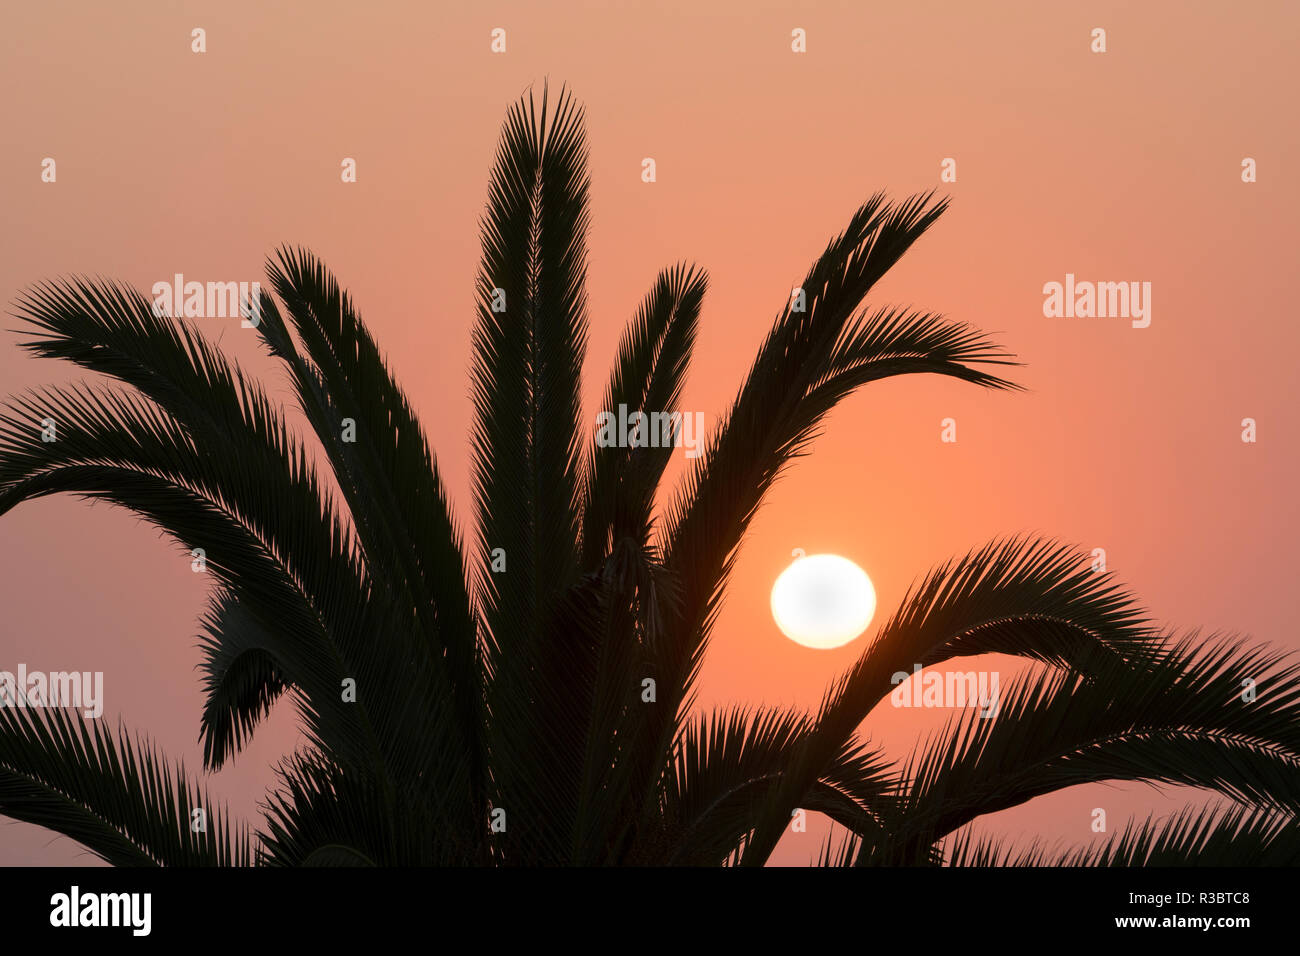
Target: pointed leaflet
[(529, 341)]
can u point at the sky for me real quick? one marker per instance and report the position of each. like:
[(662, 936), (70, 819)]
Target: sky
[(1117, 166)]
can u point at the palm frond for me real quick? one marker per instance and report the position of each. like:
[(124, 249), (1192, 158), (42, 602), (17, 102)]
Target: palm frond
[(810, 360), (322, 814), (204, 427), (838, 854), (1180, 717), (1217, 836), (528, 359), (386, 471), (728, 762), (240, 676), (653, 358), (322, 619), (1021, 596), (632, 598), (115, 797), (529, 342), (808, 356)]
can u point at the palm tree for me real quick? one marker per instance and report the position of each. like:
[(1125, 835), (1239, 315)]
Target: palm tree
[(529, 698)]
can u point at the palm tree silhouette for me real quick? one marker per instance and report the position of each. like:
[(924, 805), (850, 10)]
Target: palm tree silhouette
[(528, 700)]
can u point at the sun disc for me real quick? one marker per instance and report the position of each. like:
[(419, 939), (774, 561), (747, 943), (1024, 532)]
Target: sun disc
[(823, 601)]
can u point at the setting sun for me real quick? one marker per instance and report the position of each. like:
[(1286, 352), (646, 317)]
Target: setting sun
[(823, 601)]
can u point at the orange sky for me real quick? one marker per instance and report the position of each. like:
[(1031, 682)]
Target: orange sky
[(1122, 166)]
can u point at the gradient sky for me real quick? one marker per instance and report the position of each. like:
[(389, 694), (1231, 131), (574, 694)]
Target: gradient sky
[(1123, 166)]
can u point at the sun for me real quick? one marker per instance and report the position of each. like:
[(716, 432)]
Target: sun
[(823, 601)]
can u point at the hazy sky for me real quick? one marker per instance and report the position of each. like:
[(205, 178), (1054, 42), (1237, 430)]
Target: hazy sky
[(1121, 166)]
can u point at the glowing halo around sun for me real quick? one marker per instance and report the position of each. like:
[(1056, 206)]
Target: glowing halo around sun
[(823, 601)]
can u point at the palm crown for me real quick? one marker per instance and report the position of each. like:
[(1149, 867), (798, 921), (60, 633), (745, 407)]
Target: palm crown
[(528, 698)]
